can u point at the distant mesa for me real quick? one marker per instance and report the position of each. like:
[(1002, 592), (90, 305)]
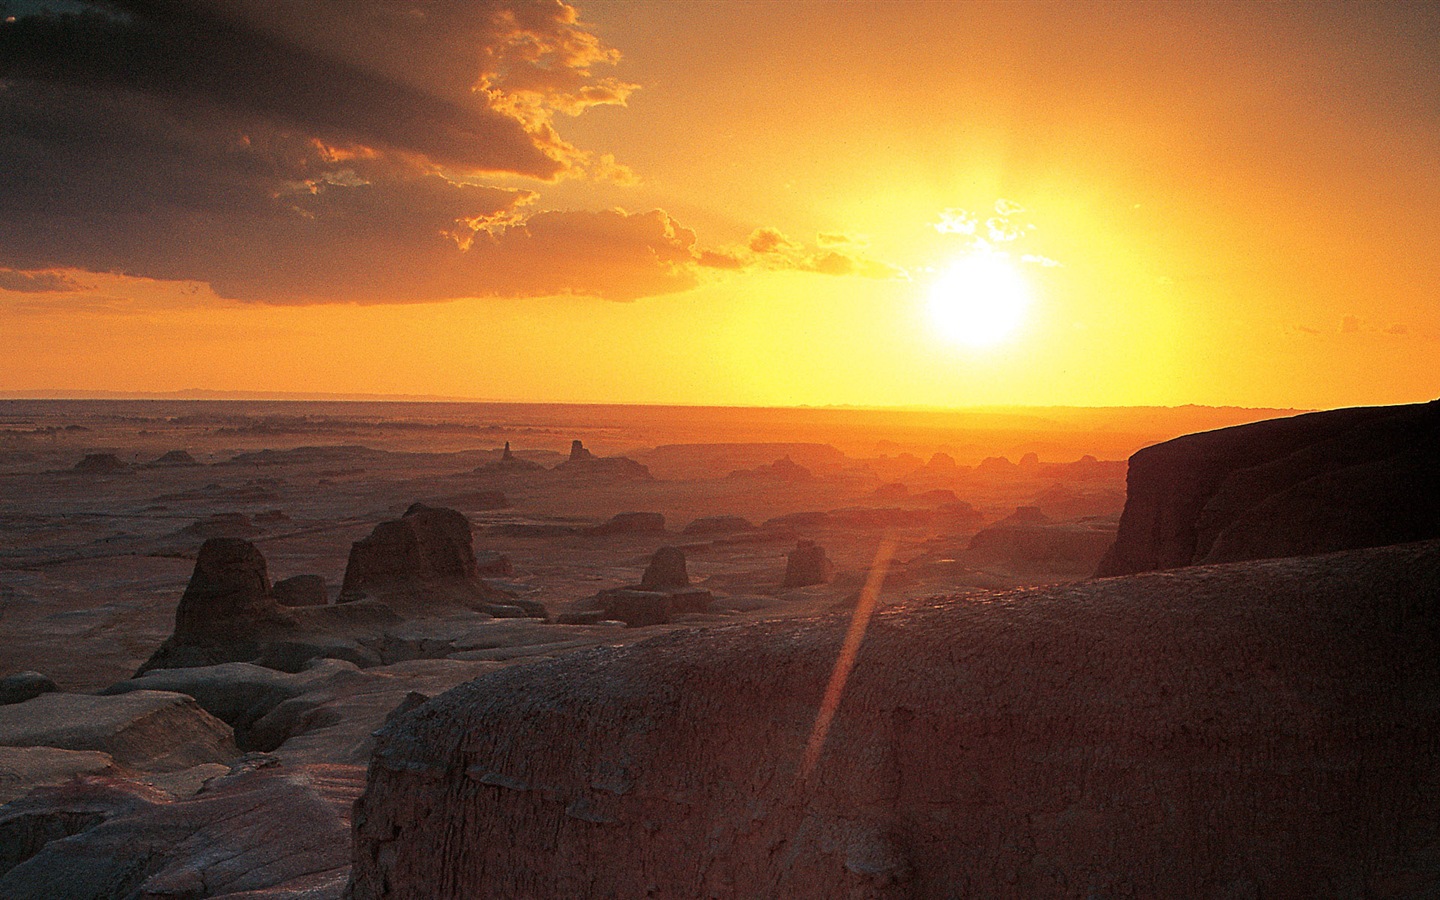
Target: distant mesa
[(1032, 461), (100, 464), (782, 469), (301, 590), (481, 500), (718, 525), (996, 465), (632, 523), (892, 491), (583, 463), (807, 565), (1025, 515), (941, 463), (937, 496), (1302, 485), (175, 459), (509, 463), (227, 525), (807, 519)]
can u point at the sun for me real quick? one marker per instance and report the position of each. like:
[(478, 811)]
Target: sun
[(980, 300)]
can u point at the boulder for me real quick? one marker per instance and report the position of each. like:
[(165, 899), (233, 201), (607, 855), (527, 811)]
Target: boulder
[(666, 571), (266, 830), (157, 731), (23, 686), (807, 565), (301, 590), (635, 608), (1305, 484), (632, 523), (1249, 730)]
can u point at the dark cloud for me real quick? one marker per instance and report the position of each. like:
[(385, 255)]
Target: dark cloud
[(464, 84), (37, 282), (313, 150)]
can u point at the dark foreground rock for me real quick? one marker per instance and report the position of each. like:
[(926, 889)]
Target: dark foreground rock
[(264, 831), (1315, 483), (156, 731), (23, 686), (1250, 730)]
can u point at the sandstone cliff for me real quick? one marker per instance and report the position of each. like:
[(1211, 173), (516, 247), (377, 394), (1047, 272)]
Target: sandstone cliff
[(1255, 729), (1307, 484)]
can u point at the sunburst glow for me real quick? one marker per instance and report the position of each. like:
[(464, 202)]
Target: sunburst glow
[(979, 300)]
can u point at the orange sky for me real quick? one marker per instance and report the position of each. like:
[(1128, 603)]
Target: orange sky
[(1236, 204)]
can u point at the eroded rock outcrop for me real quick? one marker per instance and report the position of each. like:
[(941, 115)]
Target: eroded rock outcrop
[(807, 564), (100, 464), (584, 464), (1255, 729), (666, 571), (301, 590), (156, 731), (265, 830), (425, 562), (1306, 484)]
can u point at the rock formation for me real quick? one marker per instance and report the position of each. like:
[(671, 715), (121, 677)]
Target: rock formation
[(783, 469), (1249, 730), (264, 831), (24, 686), (228, 595), (156, 731), (666, 571), (807, 565), (425, 561), (175, 459), (100, 464), (510, 463), (1306, 484), (583, 463), (1027, 541)]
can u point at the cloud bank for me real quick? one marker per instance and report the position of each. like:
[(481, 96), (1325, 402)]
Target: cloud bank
[(314, 150)]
